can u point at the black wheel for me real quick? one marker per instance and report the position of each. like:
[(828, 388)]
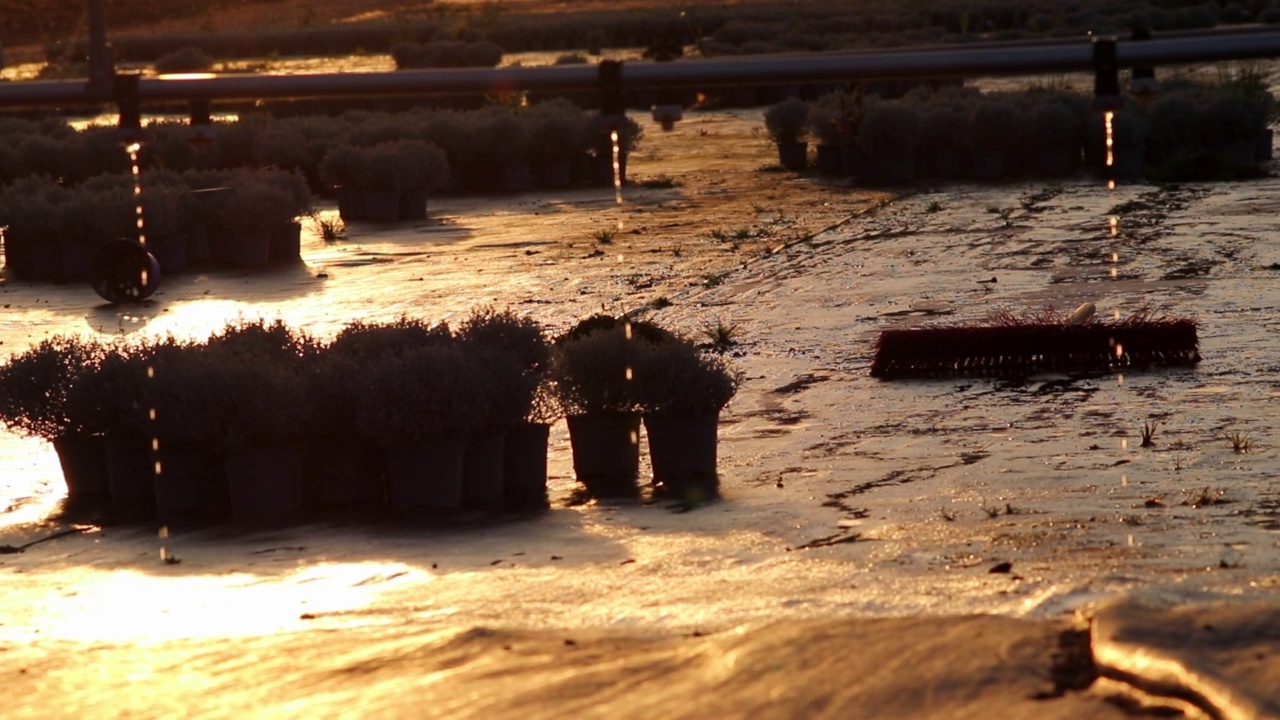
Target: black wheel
[(123, 271)]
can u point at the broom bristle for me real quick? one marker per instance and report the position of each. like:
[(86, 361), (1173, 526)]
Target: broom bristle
[(1010, 347)]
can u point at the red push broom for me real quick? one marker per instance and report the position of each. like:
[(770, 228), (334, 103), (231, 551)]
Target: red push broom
[(1049, 341)]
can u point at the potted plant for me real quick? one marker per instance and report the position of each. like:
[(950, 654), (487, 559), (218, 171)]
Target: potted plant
[(1058, 138), (348, 464), (380, 177), (286, 232), (185, 416), (827, 126), (787, 123), (511, 353), (340, 168), (112, 396), (558, 131), (592, 371), (943, 144), (682, 391), (421, 406), (995, 127), (424, 168), (888, 135), (31, 208), (345, 469), (37, 399), (252, 208), (524, 453), (263, 410), (1174, 127)]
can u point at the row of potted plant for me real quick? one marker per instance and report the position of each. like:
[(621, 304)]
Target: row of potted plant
[(445, 54), (263, 423), (962, 133), (240, 218), (547, 139)]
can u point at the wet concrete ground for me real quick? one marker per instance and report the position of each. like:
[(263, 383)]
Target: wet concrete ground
[(928, 505)]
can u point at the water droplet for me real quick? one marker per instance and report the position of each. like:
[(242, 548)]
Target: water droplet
[(1107, 122), (617, 167)]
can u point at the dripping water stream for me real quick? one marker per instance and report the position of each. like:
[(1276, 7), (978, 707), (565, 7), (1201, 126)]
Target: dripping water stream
[(152, 420)]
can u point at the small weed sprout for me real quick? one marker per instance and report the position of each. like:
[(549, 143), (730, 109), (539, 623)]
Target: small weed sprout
[(992, 511), (331, 231), (719, 235), (660, 302), (662, 182), (720, 334), (604, 237), (1177, 463), (711, 280), (743, 234), (1006, 214), (1204, 497), (934, 207), (1240, 442), (1148, 432)]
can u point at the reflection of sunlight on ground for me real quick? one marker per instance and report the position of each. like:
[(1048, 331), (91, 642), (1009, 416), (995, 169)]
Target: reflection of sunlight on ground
[(89, 604), (21, 500)]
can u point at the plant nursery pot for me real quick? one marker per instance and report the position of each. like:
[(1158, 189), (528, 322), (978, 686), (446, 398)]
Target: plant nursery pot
[(553, 174), (946, 163), (413, 204), (170, 251), (84, 465), (381, 206), (425, 475), (524, 468), (1128, 163), (516, 177), (266, 485), (1263, 146), (198, 249), (345, 474), (1242, 153), (249, 247), (830, 160), (351, 205), (32, 258), (683, 453), (482, 474), (190, 486), (606, 453), (896, 169), (130, 473), (988, 165), (793, 156), (285, 245), (75, 259), (1058, 161)]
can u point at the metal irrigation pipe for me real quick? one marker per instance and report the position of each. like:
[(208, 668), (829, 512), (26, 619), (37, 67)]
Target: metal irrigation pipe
[(951, 61)]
